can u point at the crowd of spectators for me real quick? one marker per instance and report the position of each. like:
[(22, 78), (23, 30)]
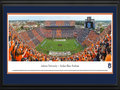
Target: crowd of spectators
[(100, 50)]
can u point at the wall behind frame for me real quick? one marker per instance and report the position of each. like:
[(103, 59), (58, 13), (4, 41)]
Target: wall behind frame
[(59, 3)]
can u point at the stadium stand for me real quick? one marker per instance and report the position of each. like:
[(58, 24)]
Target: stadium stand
[(39, 31), (31, 44), (25, 36), (82, 34), (37, 36), (91, 38), (36, 41), (30, 34), (98, 50), (58, 34), (67, 33), (53, 33)]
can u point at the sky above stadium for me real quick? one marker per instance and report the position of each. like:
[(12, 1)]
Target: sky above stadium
[(60, 17)]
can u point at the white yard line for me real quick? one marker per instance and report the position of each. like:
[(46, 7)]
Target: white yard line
[(76, 43), (43, 43)]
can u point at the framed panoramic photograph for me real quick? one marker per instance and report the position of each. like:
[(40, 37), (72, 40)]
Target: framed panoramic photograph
[(60, 44)]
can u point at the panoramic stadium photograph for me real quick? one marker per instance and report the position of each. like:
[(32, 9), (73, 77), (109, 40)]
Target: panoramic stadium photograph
[(60, 37)]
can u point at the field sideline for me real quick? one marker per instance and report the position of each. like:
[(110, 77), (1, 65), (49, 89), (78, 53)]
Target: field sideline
[(52, 45)]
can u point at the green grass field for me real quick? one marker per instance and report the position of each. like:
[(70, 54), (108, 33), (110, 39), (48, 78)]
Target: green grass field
[(51, 45)]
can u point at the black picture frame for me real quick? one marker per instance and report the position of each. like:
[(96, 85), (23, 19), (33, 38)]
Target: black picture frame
[(61, 3)]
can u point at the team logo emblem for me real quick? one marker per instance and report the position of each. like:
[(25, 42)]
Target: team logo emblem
[(109, 65)]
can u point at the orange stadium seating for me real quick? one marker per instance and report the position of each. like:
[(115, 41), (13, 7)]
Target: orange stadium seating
[(99, 46)]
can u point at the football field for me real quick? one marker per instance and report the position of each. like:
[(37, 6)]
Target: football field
[(59, 45)]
